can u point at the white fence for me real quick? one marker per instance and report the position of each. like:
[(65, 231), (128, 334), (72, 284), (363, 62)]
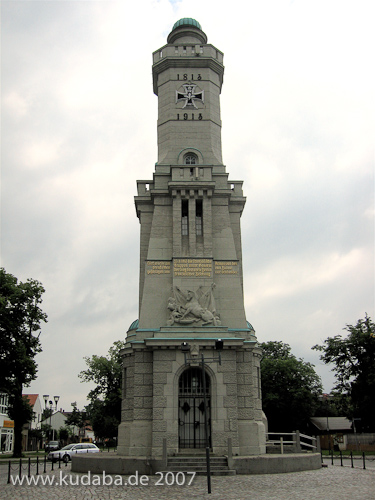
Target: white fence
[(294, 442)]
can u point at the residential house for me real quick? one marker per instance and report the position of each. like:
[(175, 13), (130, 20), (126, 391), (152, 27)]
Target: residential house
[(6, 425), (332, 431)]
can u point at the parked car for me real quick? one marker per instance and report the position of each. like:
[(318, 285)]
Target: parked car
[(52, 446), (65, 454)]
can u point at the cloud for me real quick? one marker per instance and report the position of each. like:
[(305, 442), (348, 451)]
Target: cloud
[(79, 128)]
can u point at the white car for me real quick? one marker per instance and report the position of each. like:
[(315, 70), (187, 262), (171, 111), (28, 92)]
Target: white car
[(65, 454)]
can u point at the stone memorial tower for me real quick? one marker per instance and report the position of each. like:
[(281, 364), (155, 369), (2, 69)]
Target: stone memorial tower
[(191, 280)]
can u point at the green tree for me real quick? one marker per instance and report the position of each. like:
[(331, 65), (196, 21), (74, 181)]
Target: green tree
[(76, 418), (290, 388), (104, 410), (20, 320), (46, 413), (47, 431), (353, 358), (63, 434), (104, 422)]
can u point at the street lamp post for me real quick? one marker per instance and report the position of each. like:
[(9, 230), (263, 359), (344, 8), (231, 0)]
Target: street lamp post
[(56, 399), (185, 348)]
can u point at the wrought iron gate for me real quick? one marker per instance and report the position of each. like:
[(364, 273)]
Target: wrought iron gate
[(191, 409)]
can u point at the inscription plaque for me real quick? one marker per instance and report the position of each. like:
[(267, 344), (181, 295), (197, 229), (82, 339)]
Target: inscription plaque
[(158, 267), (192, 268), (228, 267)]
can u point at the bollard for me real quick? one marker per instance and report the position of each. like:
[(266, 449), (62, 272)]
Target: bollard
[(29, 468), (364, 460), (9, 467), (37, 466), (20, 471), (331, 457), (341, 458), (351, 459), (45, 464)]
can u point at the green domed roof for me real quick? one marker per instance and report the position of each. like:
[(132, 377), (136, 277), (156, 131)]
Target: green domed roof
[(186, 21), (134, 325)]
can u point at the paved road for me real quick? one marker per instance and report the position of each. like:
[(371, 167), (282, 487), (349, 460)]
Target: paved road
[(331, 483)]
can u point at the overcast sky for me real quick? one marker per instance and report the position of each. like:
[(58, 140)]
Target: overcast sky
[(79, 128)]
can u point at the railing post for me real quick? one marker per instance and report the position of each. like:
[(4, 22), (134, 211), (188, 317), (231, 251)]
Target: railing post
[(282, 445), (230, 453), (317, 441), (298, 442), (165, 451)]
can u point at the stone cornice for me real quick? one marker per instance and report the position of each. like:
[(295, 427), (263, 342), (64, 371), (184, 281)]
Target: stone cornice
[(186, 62)]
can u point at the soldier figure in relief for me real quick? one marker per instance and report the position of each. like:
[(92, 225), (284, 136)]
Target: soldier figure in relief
[(189, 307)]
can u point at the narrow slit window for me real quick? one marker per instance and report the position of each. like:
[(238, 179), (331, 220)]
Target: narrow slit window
[(124, 382), (184, 218), (198, 218)]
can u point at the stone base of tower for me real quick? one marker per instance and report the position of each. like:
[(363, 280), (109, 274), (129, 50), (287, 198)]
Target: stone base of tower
[(251, 438), (110, 463), (164, 408), (135, 439)]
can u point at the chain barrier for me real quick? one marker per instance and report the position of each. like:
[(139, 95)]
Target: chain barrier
[(353, 458), (32, 466)]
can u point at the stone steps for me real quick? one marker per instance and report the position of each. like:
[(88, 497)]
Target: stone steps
[(218, 465)]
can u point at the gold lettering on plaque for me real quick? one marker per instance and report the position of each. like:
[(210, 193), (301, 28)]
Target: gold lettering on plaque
[(228, 267), (192, 268), (158, 267)]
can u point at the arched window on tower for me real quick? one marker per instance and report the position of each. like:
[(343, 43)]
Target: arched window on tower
[(191, 159)]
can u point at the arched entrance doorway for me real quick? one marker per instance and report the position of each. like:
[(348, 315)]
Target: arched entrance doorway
[(191, 433)]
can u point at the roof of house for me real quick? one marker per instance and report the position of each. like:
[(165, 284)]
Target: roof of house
[(333, 423), (31, 397)]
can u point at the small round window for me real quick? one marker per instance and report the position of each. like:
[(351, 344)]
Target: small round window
[(191, 159)]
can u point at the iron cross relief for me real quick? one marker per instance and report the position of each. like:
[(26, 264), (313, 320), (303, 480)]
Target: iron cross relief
[(189, 96)]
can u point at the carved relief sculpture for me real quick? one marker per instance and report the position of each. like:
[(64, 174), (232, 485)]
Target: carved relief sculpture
[(192, 307)]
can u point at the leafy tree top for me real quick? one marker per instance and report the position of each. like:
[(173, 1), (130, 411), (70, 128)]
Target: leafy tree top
[(352, 356), (290, 388), (20, 324), (105, 372), (353, 359)]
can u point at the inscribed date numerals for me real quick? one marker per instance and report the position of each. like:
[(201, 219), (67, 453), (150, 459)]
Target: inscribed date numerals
[(188, 116), (185, 76)]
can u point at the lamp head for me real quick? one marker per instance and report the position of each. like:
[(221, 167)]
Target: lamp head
[(185, 347), (219, 345)]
